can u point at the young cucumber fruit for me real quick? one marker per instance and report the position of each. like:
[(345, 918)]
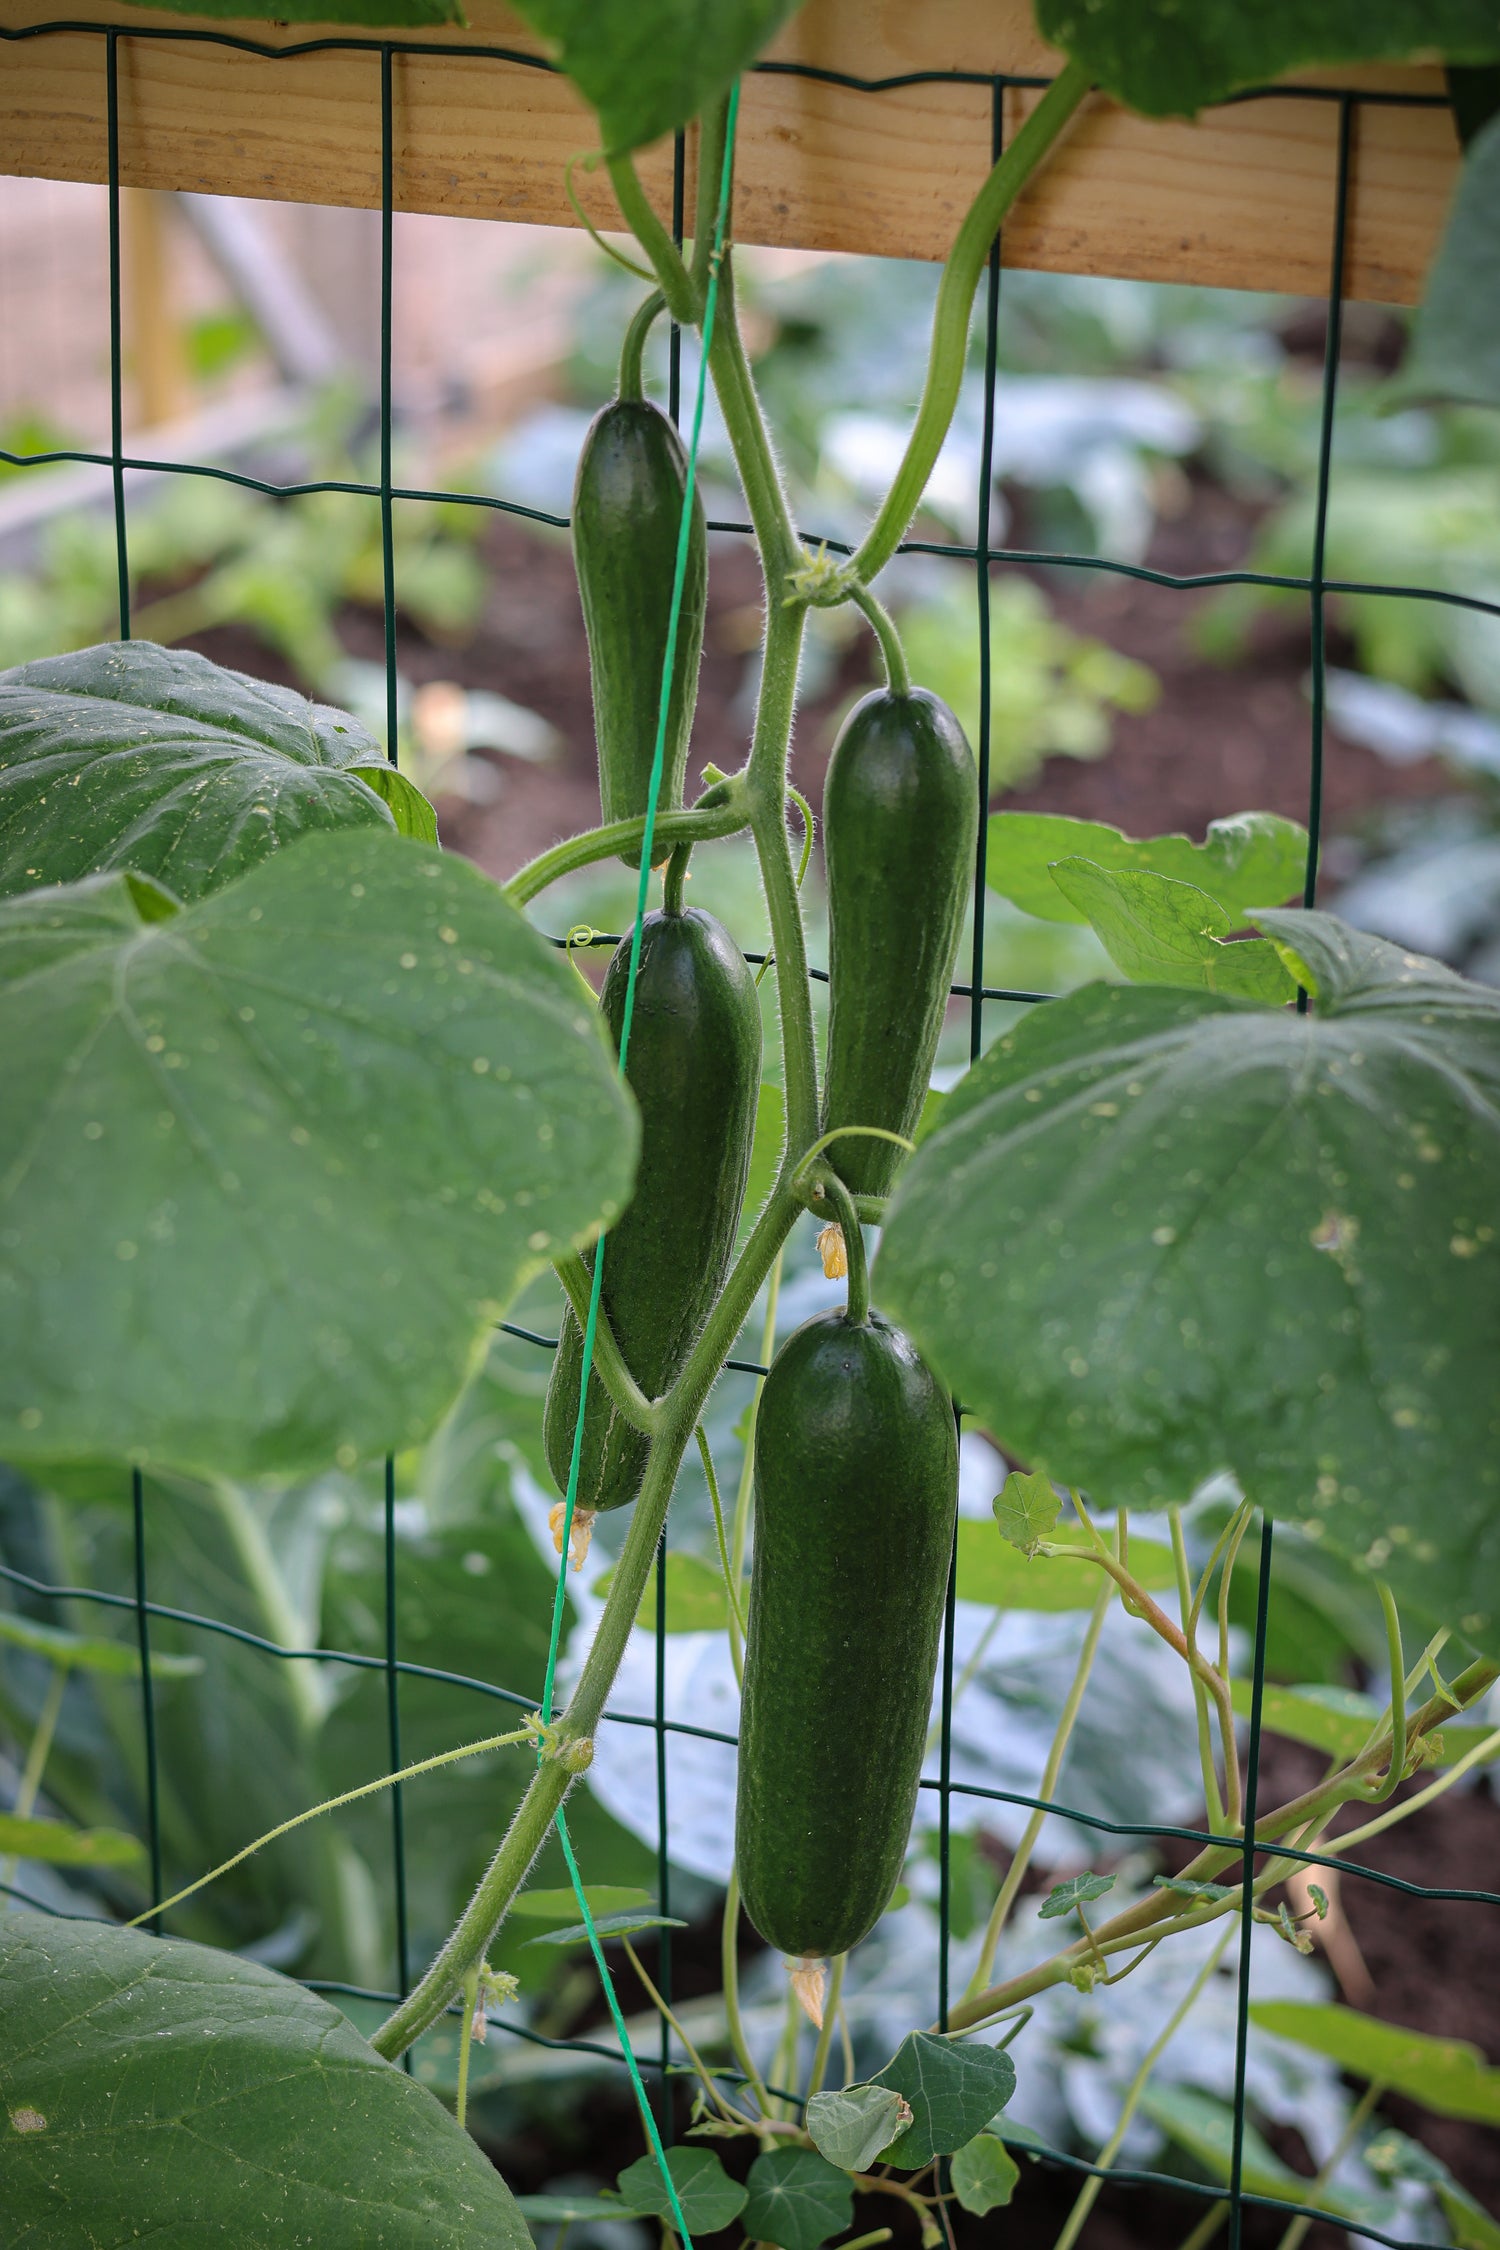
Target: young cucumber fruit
[(694, 1068), (627, 510), (900, 815), (856, 1489)]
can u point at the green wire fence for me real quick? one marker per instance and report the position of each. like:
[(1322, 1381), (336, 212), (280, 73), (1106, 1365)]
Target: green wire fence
[(982, 555)]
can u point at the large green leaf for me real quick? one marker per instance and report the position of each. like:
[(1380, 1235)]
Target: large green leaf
[(1455, 346), (130, 755), (1161, 931), (163, 2092), (1160, 1234), (796, 2199), (1339, 1721), (1251, 859), (648, 66), (1447, 2076), (1168, 60), (270, 1168), (953, 2089)]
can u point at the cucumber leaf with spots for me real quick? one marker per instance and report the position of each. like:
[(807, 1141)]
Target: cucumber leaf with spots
[(1250, 859), (648, 66), (153, 2090), (1168, 60), (134, 756), (796, 2199), (953, 2089), (1159, 1234), (271, 1168), (1160, 931)]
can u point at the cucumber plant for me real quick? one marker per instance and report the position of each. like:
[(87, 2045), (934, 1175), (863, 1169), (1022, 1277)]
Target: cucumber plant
[(298, 1105)]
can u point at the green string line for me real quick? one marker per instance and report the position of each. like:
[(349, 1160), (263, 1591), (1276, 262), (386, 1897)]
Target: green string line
[(658, 767)]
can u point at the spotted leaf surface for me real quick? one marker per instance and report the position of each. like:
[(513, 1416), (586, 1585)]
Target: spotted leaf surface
[(269, 1167), (1160, 1233)]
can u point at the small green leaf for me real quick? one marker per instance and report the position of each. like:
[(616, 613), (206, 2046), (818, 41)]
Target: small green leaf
[(1252, 859), (1026, 1510), (1170, 63), (852, 2128), (609, 1926), (696, 1600), (1454, 353), (984, 2174), (1203, 1894), (796, 2199), (649, 66), (163, 2092), (153, 759), (410, 810), (992, 1572), (301, 1144), (708, 2196), (1446, 2076), (1162, 931), (121, 1660), (560, 1906), (1077, 1891), (61, 1846), (953, 2090)]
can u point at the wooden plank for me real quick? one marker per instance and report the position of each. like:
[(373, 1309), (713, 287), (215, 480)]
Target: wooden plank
[(1242, 199)]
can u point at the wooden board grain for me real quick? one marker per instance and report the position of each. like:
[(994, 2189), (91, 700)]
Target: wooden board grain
[(1242, 199)]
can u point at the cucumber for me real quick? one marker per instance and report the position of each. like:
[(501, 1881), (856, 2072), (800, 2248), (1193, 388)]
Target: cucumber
[(627, 509), (856, 1490), (694, 1068), (900, 816)]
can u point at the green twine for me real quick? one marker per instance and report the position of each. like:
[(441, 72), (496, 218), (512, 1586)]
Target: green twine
[(658, 764)]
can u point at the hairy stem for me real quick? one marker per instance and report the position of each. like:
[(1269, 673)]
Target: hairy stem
[(609, 1360), (729, 1966), (682, 299), (883, 625), (632, 352), (950, 326), (766, 777), (1213, 1802), (734, 387), (722, 811)]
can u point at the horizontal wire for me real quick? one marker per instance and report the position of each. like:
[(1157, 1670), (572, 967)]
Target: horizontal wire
[(1071, 1813)]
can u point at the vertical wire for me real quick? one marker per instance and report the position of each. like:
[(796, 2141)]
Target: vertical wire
[(388, 587), (148, 1697), (1318, 596), (1247, 1894), (976, 1001), (116, 346)]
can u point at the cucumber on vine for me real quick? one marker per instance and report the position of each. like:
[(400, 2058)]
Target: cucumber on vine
[(856, 1491), (900, 817), (694, 1068), (627, 514)]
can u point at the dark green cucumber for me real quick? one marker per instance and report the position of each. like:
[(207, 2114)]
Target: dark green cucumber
[(694, 1068), (627, 509), (900, 815), (856, 1488)]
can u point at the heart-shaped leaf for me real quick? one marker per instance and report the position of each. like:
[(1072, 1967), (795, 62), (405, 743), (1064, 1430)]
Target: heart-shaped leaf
[(1026, 1509), (984, 2174), (156, 2091), (796, 2199), (1251, 859), (708, 2197), (952, 2088), (269, 1169), (1160, 1234), (1169, 62), (1161, 931), (852, 2128), (130, 755), (1077, 1891)]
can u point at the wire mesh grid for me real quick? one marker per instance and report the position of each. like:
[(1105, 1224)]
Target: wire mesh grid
[(982, 555)]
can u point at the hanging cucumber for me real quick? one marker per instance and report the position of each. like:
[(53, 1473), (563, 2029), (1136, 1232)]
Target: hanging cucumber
[(694, 1068), (856, 1488), (900, 815), (627, 512)]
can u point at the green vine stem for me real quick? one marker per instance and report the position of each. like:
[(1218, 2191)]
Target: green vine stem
[(1397, 1770), (729, 1967), (683, 300), (766, 782), (883, 625), (832, 1189), (713, 130), (770, 514), (833, 2001), (632, 383), (720, 811), (673, 879), (609, 1360), (735, 1615), (1213, 1802), (950, 327), (465, 2043)]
